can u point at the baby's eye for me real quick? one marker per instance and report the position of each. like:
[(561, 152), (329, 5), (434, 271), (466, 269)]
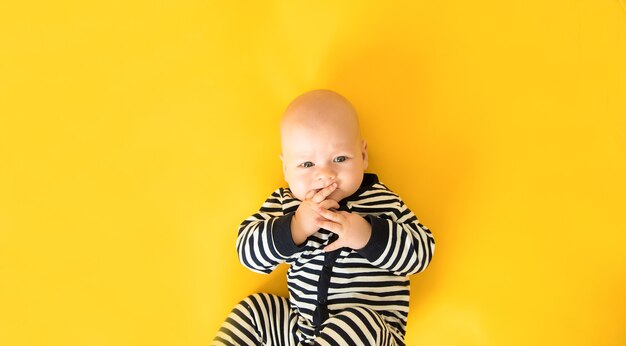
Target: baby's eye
[(340, 159), (307, 164)]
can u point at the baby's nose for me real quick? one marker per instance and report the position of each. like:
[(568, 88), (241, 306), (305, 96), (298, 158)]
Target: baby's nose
[(326, 174)]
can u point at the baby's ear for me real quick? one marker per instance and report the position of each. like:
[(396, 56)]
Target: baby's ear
[(364, 153)]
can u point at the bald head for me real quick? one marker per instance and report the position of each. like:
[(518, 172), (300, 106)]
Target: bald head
[(317, 109), (322, 144)]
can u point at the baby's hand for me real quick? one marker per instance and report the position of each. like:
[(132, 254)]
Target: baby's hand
[(305, 221), (353, 230)]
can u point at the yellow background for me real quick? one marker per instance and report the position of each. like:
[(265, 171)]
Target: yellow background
[(135, 136)]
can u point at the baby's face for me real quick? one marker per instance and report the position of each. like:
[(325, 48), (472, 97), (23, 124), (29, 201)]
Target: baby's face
[(317, 155)]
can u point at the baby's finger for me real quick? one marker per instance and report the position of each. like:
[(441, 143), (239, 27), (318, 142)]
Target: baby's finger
[(337, 244), (328, 204), (334, 227), (309, 195), (331, 215), (323, 193)]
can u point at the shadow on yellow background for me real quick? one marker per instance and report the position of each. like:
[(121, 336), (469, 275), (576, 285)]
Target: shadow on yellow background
[(135, 137)]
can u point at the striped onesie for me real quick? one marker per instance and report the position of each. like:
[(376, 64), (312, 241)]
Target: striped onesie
[(344, 297)]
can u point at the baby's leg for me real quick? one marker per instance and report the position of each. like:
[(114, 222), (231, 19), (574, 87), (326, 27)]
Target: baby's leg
[(260, 319), (357, 326)]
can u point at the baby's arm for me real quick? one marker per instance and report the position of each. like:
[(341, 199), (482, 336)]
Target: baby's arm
[(396, 240), (270, 237), (262, 234)]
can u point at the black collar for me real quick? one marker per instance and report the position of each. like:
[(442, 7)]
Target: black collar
[(369, 179)]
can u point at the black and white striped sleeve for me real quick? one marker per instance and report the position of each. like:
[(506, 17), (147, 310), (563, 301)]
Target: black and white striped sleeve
[(264, 239), (399, 242)]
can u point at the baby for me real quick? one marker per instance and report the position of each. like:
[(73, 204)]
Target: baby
[(350, 242)]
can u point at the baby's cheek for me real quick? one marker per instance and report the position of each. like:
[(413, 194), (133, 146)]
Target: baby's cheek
[(299, 191)]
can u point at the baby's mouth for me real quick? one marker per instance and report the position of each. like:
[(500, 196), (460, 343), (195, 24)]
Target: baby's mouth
[(323, 187)]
